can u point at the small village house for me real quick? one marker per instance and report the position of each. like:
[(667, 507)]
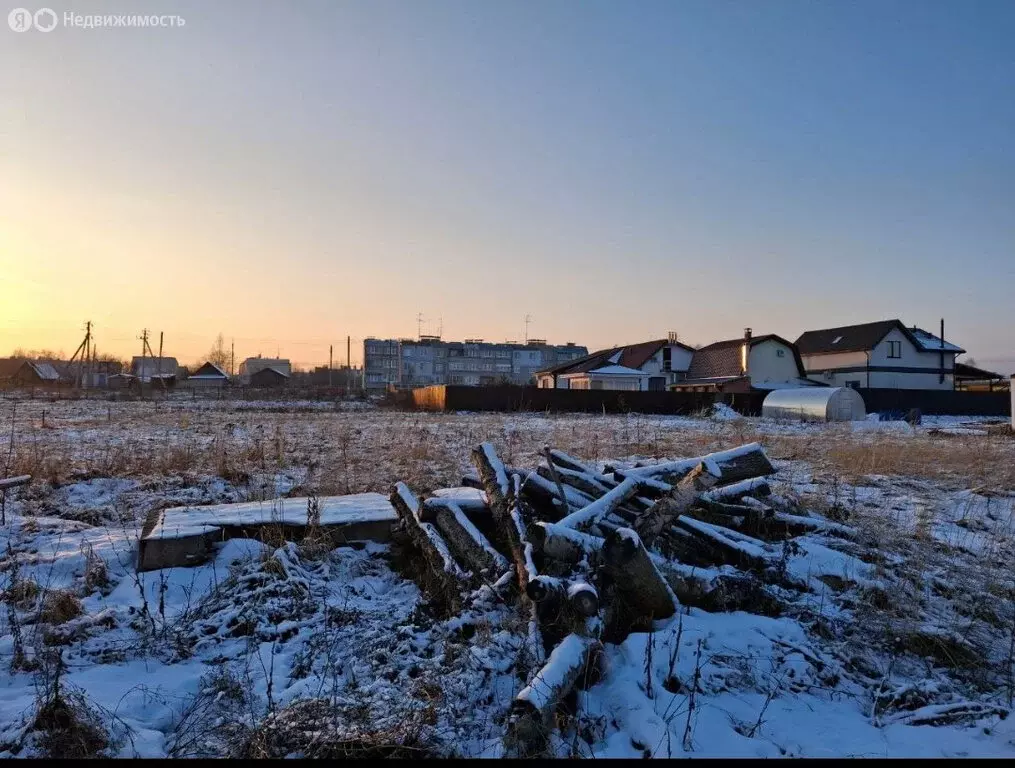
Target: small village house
[(253, 365), (17, 373), (647, 366), (208, 376), (268, 377), (750, 363), (881, 355), (149, 369)]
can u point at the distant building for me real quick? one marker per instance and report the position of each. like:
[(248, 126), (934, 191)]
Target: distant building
[(747, 364), (252, 365), (208, 376), (969, 378), (149, 369), (650, 365), (473, 362), (17, 372), (268, 377), (881, 355)]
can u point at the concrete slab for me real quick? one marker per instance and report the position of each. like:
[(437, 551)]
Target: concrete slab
[(185, 536)]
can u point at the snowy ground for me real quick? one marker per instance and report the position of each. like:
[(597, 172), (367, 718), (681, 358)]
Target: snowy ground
[(905, 626)]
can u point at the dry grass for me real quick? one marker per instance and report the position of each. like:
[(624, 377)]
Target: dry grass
[(351, 452), (319, 729), (22, 594), (59, 606), (70, 729)]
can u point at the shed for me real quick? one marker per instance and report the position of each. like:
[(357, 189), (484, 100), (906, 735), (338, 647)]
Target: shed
[(815, 404), (208, 376), (269, 377)]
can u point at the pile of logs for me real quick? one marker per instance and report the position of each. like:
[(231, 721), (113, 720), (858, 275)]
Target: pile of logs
[(588, 556)]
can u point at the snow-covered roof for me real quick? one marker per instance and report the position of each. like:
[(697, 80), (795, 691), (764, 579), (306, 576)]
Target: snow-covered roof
[(607, 370), (928, 342), (209, 371), (46, 371)]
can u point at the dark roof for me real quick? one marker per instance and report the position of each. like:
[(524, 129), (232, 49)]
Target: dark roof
[(963, 371), (269, 370), (210, 370), (631, 356), (722, 359), (847, 338), (860, 338), (9, 366)]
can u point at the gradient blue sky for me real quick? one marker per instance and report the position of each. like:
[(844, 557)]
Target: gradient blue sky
[(289, 173)]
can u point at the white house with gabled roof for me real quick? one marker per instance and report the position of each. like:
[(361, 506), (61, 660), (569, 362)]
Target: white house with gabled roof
[(881, 355)]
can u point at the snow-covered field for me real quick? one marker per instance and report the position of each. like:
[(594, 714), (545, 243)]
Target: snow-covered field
[(899, 643)]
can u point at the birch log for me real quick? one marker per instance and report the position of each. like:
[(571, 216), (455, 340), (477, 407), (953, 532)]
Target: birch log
[(531, 717), (635, 577), (660, 515)]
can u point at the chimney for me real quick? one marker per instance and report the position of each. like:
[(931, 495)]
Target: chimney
[(941, 376), (745, 351)]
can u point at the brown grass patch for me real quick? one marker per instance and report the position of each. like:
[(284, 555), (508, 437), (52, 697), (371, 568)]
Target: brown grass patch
[(22, 594), (59, 607), (71, 729)]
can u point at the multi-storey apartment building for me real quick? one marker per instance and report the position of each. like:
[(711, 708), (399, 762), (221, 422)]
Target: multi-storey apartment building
[(473, 362), (380, 363)]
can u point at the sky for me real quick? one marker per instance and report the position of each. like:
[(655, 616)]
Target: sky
[(294, 174)]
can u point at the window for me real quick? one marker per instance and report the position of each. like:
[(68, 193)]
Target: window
[(853, 384), (667, 359), (895, 349), (780, 353)]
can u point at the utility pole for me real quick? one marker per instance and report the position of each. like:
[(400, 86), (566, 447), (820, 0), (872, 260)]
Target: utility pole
[(88, 352), (158, 365), (84, 345), (232, 357), (331, 361), (144, 348), (348, 352)]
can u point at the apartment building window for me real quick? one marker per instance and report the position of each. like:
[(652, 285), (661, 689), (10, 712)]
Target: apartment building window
[(895, 349)]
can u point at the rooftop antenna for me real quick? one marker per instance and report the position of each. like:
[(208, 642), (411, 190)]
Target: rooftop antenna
[(440, 327), (528, 319), (419, 325)]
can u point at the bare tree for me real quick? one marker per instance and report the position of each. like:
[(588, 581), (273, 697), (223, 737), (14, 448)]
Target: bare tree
[(218, 354)]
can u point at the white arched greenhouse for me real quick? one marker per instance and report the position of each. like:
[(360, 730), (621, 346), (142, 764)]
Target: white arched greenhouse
[(815, 404)]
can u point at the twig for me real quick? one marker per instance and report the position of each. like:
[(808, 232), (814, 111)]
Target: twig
[(688, 746)]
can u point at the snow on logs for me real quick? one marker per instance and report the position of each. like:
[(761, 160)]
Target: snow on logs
[(742, 463), (13, 482), (576, 661), (576, 545), (427, 539)]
